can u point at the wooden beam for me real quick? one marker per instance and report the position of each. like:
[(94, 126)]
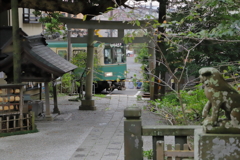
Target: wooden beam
[(108, 39), (93, 24)]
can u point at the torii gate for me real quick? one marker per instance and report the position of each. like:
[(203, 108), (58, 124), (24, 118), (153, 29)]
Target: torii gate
[(88, 103)]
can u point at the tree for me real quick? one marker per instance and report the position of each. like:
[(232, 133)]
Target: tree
[(201, 33), (215, 22), (53, 26), (91, 8)]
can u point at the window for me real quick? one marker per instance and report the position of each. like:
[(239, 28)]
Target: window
[(119, 55), (107, 56), (29, 17), (114, 55), (26, 15)]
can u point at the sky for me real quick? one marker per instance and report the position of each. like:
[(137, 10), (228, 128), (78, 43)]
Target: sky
[(147, 4)]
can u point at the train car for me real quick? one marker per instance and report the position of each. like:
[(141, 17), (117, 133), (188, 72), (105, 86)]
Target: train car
[(111, 71)]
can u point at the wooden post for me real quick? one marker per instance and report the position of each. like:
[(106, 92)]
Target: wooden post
[(55, 103), (48, 115), (69, 46), (160, 150), (16, 43), (21, 108), (155, 139), (178, 148), (1, 124), (40, 92), (152, 64), (7, 123), (27, 119), (169, 148), (32, 119), (181, 140), (14, 122), (133, 142)]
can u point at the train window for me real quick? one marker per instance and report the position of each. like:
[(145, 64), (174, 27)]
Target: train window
[(120, 56), (63, 53), (114, 55), (107, 56)]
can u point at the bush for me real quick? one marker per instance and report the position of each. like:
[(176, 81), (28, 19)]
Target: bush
[(169, 107)]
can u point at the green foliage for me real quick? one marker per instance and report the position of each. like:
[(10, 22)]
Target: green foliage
[(141, 51), (148, 154), (66, 84), (100, 95), (80, 61), (18, 133), (37, 13), (52, 23), (77, 76), (169, 107), (210, 20)]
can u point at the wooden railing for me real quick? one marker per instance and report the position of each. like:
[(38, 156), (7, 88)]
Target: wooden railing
[(133, 132), (173, 151), (12, 123)]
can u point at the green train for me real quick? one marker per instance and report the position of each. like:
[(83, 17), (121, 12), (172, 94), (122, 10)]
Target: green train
[(111, 70)]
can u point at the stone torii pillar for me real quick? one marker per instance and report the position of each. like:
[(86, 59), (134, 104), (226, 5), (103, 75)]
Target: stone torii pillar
[(88, 103)]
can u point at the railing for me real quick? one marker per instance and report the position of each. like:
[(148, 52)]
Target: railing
[(11, 123), (133, 132), (173, 151)]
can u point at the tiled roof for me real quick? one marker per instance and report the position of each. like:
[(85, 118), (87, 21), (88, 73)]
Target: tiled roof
[(36, 51), (36, 47)]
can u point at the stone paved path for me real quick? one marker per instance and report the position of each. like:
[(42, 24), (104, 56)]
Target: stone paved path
[(78, 135)]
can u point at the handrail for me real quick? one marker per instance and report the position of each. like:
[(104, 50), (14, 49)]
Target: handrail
[(166, 130), (133, 132)]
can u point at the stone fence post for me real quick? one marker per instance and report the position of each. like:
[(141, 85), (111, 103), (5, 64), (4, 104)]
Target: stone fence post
[(133, 134)]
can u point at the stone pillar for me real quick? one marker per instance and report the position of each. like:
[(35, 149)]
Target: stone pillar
[(133, 142), (216, 146), (88, 103), (48, 115)]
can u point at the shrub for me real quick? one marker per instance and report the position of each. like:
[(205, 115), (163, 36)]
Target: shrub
[(169, 107)]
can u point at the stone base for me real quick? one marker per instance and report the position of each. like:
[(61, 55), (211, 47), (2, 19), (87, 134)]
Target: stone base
[(48, 118), (87, 105), (221, 130), (56, 110), (216, 146)]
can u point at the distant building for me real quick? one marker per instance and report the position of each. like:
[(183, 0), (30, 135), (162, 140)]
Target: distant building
[(27, 21)]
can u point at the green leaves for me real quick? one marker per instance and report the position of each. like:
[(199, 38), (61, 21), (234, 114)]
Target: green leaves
[(52, 22), (84, 17)]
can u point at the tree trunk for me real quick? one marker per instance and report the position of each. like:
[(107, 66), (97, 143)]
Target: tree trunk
[(16, 43)]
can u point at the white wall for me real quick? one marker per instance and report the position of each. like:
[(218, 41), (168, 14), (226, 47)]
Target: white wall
[(29, 28), (2, 76)]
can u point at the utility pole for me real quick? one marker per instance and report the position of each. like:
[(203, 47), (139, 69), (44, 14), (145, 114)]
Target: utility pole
[(16, 43)]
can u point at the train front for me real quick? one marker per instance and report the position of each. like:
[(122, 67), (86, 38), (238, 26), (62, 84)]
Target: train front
[(111, 73)]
